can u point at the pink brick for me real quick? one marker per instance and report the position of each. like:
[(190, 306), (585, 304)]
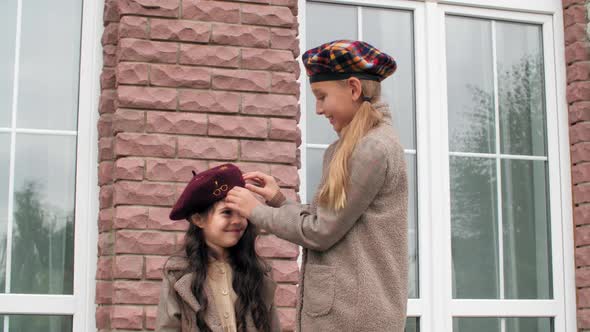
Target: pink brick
[(150, 145), (131, 217), (103, 317), (109, 55), (583, 277), (284, 129), (108, 78), (292, 4), (580, 132), (158, 219), (254, 1), (582, 256), (582, 193), (164, 8), (286, 295), (105, 220), (205, 10), (177, 123), (104, 292), (180, 76), (136, 292), (128, 120), (173, 169), (154, 266), (105, 172), (580, 152), (581, 173), (127, 317), (105, 148), (583, 298), (285, 271), (107, 102), (142, 242), (246, 167), (265, 104), (270, 246), (241, 80), (238, 126), (583, 317), (290, 194), (287, 176), (574, 14), (132, 73), (578, 51), (582, 214), (194, 32), (128, 267), (582, 235), (201, 55), (150, 317), (209, 101), (143, 193), (278, 152), (285, 83), (240, 35), (207, 148), (104, 269), (268, 60), (287, 319), (568, 3), (574, 33), (579, 111), (284, 39), (129, 169), (110, 34), (141, 97), (106, 196), (267, 15), (133, 27), (148, 51)]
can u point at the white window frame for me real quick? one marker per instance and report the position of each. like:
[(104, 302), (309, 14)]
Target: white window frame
[(436, 307), (80, 305)]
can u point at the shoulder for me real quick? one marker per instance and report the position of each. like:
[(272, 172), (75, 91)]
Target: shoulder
[(175, 266)]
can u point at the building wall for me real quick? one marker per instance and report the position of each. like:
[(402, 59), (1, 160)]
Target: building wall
[(187, 85), (578, 97)]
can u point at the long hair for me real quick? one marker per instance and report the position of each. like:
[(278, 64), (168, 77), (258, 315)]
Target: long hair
[(248, 273), (333, 192)]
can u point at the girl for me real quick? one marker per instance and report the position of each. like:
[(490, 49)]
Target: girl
[(220, 283), (355, 263)]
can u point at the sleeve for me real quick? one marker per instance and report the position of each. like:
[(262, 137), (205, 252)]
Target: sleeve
[(168, 315), (321, 230)]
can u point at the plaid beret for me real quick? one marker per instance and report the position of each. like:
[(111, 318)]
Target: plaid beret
[(206, 188), (341, 59)]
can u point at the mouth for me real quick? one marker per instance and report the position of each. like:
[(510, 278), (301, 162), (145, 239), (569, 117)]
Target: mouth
[(236, 231)]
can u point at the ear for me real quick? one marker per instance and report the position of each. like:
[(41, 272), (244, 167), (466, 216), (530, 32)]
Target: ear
[(197, 220), (356, 88)]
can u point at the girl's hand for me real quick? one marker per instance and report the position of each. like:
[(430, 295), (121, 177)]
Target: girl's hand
[(266, 185), (242, 201)]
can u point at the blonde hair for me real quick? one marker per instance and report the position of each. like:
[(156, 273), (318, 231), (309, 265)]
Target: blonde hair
[(333, 192)]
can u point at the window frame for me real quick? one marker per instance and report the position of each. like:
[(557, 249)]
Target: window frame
[(81, 304), (435, 307)]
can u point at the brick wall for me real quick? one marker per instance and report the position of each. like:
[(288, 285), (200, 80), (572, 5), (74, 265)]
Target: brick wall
[(578, 97), (188, 84)]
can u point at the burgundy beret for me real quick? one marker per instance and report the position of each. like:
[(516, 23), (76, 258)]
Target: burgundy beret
[(206, 188)]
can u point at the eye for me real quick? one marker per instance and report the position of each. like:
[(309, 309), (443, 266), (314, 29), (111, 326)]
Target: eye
[(226, 212)]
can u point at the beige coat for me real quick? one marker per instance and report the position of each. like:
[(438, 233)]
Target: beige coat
[(176, 296), (355, 263)]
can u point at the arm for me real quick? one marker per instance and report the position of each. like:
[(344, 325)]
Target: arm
[(320, 231), (168, 316)]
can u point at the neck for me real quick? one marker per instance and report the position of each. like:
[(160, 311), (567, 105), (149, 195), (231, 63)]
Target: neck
[(218, 252)]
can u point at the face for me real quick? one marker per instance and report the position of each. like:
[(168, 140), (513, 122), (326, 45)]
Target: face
[(223, 228), (337, 100)]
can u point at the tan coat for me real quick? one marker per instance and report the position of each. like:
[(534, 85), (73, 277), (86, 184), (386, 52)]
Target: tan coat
[(355, 263), (176, 296)]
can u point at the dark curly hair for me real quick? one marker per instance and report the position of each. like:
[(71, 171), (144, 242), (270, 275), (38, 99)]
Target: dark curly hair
[(248, 272)]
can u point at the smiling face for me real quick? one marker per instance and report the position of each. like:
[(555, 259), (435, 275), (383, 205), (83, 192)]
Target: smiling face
[(338, 101), (222, 227)]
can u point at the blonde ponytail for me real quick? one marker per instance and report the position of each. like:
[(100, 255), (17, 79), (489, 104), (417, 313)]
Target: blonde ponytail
[(333, 193)]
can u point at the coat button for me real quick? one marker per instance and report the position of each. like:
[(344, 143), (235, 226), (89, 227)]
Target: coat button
[(226, 315), (224, 292)]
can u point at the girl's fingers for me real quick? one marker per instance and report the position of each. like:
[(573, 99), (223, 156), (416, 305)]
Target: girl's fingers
[(255, 189)]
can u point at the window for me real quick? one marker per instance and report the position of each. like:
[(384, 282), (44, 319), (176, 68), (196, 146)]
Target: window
[(479, 103), (47, 158)]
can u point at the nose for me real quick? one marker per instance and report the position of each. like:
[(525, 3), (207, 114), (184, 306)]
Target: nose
[(236, 219), (318, 109)]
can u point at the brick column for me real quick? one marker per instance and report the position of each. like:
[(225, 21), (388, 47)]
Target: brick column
[(188, 84), (578, 97)]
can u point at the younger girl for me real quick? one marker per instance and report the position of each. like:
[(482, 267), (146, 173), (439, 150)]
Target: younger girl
[(219, 283), (355, 266)]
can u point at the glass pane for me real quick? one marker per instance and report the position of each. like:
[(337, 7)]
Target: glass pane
[(474, 228), (412, 324), (502, 324), (470, 85), (28, 323), (314, 171), (7, 40), (413, 291), (398, 90), (4, 175), (521, 89), (49, 64), (527, 235), (43, 238), (322, 27)]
